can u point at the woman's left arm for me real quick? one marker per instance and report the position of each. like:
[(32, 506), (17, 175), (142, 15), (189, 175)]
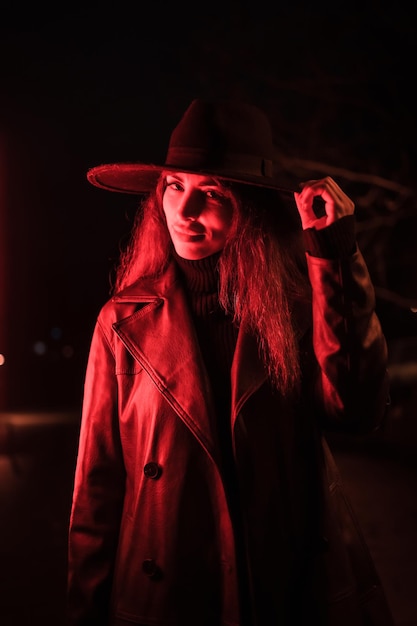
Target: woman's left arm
[(348, 340)]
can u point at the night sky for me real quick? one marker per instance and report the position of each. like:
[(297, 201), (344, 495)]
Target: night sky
[(109, 82)]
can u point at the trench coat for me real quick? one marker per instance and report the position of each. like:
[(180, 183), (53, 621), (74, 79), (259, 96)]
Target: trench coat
[(152, 540)]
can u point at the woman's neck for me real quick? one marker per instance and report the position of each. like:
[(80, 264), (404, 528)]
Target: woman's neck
[(201, 275)]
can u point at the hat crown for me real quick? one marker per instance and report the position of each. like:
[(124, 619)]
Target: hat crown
[(223, 126)]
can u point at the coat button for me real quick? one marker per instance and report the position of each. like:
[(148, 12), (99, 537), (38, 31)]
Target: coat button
[(152, 470), (151, 569)]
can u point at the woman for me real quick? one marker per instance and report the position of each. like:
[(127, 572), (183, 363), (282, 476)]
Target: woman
[(204, 493)]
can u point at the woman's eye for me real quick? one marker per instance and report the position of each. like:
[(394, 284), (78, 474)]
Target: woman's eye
[(214, 195), (174, 185)]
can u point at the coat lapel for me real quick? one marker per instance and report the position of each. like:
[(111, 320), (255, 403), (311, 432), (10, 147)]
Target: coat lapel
[(248, 372), (161, 337)]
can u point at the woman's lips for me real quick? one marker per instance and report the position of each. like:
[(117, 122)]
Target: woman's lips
[(190, 231)]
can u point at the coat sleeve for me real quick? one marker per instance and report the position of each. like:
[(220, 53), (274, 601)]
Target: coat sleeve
[(348, 340), (98, 491)]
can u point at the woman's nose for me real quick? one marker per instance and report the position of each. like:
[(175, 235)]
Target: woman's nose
[(190, 206)]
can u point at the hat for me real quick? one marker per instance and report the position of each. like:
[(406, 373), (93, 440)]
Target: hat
[(227, 139)]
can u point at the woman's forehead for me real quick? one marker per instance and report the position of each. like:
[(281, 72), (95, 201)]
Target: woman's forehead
[(198, 180)]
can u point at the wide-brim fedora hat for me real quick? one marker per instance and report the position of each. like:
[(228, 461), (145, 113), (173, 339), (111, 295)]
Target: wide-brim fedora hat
[(231, 140)]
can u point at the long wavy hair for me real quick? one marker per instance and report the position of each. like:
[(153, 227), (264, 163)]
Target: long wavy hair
[(261, 268)]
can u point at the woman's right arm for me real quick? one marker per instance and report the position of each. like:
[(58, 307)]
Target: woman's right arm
[(98, 491)]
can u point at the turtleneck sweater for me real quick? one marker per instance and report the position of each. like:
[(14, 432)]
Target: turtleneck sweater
[(215, 330)]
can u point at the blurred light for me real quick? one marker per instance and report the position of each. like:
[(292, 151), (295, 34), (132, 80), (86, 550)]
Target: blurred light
[(39, 348), (2, 359), (56, 333), (67, 352)]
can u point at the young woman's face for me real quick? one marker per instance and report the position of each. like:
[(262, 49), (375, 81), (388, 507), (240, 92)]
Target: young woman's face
[(198, 214)]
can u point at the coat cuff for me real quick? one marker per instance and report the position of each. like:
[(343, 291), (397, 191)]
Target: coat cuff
[(333, 242)]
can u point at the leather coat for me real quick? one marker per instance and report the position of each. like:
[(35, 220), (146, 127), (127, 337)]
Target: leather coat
[(152, 539)]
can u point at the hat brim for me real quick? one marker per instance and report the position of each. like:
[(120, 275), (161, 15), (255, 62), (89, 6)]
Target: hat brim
[(141, 178)]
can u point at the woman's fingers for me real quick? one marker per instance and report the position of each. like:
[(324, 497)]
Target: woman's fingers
[(335, 204)]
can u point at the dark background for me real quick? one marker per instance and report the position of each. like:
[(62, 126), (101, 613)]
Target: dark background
[(107, 82)]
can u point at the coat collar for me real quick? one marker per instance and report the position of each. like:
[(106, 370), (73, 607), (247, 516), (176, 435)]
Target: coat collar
[(161, 337)]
